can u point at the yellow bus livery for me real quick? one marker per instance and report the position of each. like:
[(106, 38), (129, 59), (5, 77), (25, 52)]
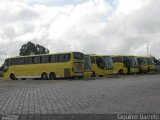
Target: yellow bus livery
[(143, 65), (125, 64), (151, 64), (46, 66), (101, 65)]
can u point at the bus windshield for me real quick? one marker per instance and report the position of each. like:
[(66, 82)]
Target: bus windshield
[(87, 65), (6, 62), (108, 62), (142, 61), (134, 61), (151, 61), (78, 55)]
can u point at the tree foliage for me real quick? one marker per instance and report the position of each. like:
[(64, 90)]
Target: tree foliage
[(32, 49)]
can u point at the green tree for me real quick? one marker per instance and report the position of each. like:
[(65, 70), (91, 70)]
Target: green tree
[(32, 49), (41, 50)]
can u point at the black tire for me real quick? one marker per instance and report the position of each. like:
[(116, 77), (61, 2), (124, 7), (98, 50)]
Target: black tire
[(23, 78), (12, 77), (93, 74), (44, 76), (52, 76), (121, 72)]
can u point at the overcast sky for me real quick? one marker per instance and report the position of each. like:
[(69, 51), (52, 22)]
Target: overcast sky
[(92, 26)]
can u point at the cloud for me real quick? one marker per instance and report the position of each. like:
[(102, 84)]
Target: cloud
[(92, 26)]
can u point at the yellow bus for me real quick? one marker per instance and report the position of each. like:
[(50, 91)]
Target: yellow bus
[(143, 65), (87, 66), (101, 65), (46, 66), (151, 64), (125, 64), (134, 64)]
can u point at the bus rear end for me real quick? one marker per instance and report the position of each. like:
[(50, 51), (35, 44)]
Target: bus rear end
[(78, 64)]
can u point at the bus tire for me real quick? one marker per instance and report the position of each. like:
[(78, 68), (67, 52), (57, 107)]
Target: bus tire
[(12, 76), (121, 72), (93, 74), (52, 76), (44, 76)]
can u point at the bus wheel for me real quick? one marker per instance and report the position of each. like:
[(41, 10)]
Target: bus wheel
[(121, 72), (44, 76), (93, 74), (52, 76), (12, 76)]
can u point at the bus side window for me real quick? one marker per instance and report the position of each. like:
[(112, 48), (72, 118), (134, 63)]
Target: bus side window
[(48, 58), (139, 61), (7, 62), (43, 59), (120, 59), (16, 61), (36, 60), (54, 58), (117, 59), (12, 62), (26, 60), (30, 60), (21, 61), (68, 57), (93, 60), (62, 58), (113, 58), (99, 62)]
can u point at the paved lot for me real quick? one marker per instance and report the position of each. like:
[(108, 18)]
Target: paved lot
[(127, 94)]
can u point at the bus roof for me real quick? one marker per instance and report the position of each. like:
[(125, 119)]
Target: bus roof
[(144, 57), (44, 54), (123, 56), (100, 55)]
